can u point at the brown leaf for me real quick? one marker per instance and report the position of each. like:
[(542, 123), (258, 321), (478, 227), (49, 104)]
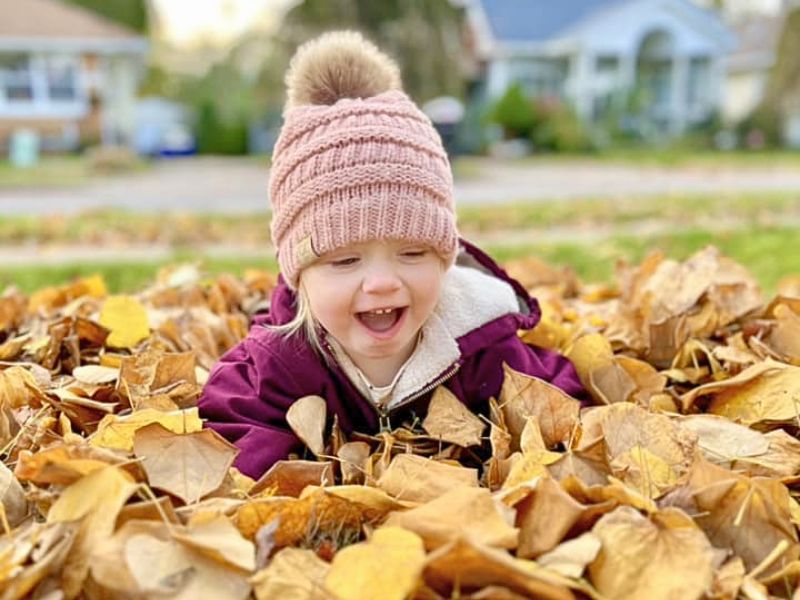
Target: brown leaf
[(523, 396), (550, 514), (466, 566), (750, 374), (32, 554), (306, 417), (464, 510), (290, 477), (188, 466), (416, 479), (647, 451), (750, 516), (450, 421), (13, 504), (354, 456), (96, 500), (570, 558), (640, 557), (724, 442), (770, 397)]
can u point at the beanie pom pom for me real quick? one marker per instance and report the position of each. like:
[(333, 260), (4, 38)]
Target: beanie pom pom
[(336, 65)]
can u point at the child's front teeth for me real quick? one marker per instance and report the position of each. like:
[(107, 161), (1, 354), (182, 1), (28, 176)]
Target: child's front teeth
[(382, 311)]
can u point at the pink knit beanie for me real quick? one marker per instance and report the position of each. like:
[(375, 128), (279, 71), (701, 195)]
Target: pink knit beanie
[(356, 159)]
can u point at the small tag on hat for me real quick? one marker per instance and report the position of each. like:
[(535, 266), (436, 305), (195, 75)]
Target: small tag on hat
[(304, 252)]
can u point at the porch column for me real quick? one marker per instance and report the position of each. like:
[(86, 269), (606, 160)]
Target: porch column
[(679, 92), (579, 88)]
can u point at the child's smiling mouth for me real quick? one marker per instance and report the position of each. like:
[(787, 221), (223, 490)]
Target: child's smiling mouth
[(382, 320)]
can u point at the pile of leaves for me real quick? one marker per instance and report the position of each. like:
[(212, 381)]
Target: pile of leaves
[(679, 481)]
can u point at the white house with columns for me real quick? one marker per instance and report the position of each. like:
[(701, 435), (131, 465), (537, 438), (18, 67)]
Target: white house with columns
[(597, 54)]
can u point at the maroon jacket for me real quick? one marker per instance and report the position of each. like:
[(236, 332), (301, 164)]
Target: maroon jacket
[(251, 387)]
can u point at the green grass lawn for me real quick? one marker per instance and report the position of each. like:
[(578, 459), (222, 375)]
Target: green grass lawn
[(670, 156), (49, 172), (110, 226), (768, 252)]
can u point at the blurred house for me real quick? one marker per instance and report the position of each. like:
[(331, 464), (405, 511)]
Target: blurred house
[(748, 71), (67, 74), (748, 66), (663, 56)]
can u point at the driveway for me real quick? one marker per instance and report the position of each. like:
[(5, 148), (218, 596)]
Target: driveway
[(240, 185)]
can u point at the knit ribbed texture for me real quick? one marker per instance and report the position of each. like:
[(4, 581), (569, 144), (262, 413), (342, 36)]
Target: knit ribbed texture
[(355, 171)]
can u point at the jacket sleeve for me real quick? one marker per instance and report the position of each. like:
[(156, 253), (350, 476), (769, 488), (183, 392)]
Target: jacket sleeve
[(249, 410), (482, 375)]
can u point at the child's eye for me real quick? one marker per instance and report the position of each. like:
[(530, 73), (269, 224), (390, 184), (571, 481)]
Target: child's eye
[(419, 253), (344, 262)]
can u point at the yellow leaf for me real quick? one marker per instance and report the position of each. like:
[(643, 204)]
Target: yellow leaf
[(387, 567), (127, 320), (97, 499), (588, 353), (116, 431)]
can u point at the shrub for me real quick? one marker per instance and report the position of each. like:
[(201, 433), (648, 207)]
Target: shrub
[(515, 113)]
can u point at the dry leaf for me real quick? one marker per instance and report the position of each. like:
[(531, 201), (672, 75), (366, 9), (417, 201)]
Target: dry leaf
[(126, 318), (387, 567), (523, 396), (464, 510), (306, 417), (417, 479), (116, 431), (188, 466), (290, 477), (640, 557), (550, 514), (354, 456), (96, 499), (723, 442), (466, 566), (292, 574), (450, 421), (12, 498), (571, 558)]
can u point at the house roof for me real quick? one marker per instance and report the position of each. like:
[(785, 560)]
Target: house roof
[(49, 20), (537, 20)]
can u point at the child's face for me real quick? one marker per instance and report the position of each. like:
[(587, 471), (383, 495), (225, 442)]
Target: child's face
[(374, 297)]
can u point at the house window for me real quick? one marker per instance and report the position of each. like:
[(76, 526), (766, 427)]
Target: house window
[(16, 82), (606, 64), (698, 85), (61, 79)]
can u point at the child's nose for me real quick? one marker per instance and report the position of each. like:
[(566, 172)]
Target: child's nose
[(380, 280)]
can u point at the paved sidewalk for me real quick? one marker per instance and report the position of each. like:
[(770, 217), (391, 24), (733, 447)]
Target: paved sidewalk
[(240, 186)]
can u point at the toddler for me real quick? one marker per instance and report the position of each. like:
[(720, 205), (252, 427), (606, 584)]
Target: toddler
[(379, 301)]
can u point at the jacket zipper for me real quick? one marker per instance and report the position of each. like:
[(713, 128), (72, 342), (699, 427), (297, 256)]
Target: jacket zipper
[(384, 423), (383, 414)]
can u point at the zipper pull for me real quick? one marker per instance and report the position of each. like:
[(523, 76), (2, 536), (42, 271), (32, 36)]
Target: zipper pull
[(383, 422)]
